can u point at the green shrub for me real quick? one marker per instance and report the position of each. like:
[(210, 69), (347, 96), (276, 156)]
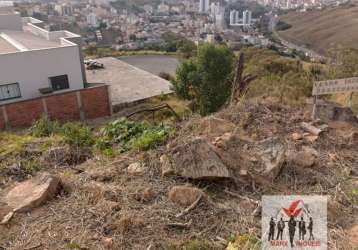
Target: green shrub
[(131, 135), (44, 128), (150, 138), (76, 134), (196, 245)]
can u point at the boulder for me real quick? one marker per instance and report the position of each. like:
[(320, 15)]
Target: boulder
[(305, 158), (102, 175), (32, 193), (135, 168), (184, 196), (194, 159), (271, 156), (296, 136), (214, 126), (166, 166)]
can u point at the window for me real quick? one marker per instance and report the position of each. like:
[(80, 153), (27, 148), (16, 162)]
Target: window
[(59, 82), (9, 91)]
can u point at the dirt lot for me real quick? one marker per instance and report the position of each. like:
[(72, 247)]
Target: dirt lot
[(115, 204)]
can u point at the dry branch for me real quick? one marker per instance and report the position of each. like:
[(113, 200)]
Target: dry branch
[(191, 207), (154, 109)]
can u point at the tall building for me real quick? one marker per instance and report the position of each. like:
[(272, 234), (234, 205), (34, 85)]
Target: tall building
[(92, 20), (246, 18), (234, 17), (204, 6)]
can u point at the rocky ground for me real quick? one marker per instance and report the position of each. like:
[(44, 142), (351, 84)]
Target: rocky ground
[(199, 191)]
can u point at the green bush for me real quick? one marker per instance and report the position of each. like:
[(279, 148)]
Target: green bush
[(281, 26), (150, 138), (131, 135), (75, 134), (205, 78), (44, 128)]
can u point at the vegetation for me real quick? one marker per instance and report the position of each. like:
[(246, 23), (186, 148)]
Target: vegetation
[(176, 43), (281, 25), (120, 134), (93, 52), (127, 135), (44, 128), (244, 241), (205, 78)]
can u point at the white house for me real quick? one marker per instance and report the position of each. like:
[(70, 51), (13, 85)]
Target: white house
[(34, 61)]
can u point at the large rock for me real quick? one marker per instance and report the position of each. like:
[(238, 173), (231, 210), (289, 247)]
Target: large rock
[(195, 159), (270, 156), (306, 157), (135, 168), (213, 126), (32, 193), (183, 195)]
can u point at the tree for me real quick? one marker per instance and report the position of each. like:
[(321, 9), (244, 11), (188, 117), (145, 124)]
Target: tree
[(240, 83), (186, 49), (205, 79)]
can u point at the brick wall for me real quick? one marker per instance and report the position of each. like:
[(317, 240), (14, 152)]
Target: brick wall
[(95, 102), (63, 107), (22, 114), (2, 121), (82, 104)]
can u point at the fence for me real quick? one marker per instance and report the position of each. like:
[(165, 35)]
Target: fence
[(89, 103)]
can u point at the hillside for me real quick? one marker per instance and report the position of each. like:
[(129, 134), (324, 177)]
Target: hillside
[(322, 30), (141, 199)]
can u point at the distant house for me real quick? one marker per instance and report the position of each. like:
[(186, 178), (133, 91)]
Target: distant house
[(34, 61)]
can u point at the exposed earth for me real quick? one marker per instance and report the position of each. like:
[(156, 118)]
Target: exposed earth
[(201, 190)]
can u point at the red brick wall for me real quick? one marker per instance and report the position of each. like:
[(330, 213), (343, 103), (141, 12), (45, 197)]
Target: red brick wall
[(2, 122), (62, 107), (23, 114), (95, 102)]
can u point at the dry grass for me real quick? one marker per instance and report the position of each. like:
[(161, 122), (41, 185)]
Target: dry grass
[(102, 208), (322, 30)]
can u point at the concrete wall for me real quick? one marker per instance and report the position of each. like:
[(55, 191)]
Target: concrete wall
[(10, 21), (89, 103), (32, 69)]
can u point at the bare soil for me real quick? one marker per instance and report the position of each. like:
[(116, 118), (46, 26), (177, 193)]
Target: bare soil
[(102, 206)]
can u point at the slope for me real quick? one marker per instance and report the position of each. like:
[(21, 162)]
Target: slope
[(323, 30)]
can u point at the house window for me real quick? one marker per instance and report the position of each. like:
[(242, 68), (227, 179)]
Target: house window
[(59, 82), (9, 91)]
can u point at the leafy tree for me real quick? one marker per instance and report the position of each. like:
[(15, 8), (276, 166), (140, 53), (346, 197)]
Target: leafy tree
[(205, 79), (186, 49)]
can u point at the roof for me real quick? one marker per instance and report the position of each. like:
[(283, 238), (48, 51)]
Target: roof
[(29, 41), (6, 47), (127, 83), (26, 34)]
